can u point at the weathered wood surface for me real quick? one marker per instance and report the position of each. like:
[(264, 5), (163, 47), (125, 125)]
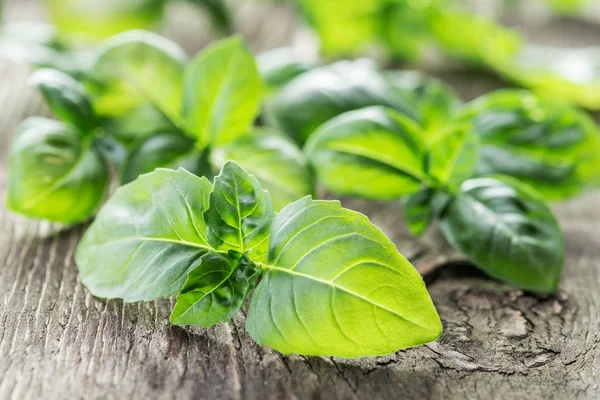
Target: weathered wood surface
[(58, 342)]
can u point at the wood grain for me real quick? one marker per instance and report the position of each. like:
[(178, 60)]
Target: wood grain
[(58, 342)]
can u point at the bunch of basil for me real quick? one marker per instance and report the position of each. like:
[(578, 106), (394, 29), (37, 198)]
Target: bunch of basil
[(483, 169)]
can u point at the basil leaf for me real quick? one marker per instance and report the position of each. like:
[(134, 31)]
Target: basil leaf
[(92, 20), (146, 238), (239, 213), (276, 161), (222, 92), (335, 285), (478, 39), (508, 231), (168, 150), (214, 291), (544, 69), (344, 27), (66, 98), (436, 101), (375, 153), (405, 29), (454, 155), (551, 146), (319, 95), (138, 72), (279, 66), (418, 211), (55, 174)]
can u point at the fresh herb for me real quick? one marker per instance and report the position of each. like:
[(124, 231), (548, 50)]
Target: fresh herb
[(326, 281), (132, 110), (501, 225)]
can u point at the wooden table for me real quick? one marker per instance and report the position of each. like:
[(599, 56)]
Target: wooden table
[(58, 342)]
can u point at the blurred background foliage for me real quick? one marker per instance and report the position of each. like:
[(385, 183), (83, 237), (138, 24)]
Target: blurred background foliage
[(479, 34)]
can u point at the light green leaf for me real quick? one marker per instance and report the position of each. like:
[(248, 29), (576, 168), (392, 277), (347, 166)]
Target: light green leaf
[(223, 91), (454, 155), (214, 291), (551, 146), (335, 285), (146, 238), (344, 26), (240, 213), (375, 153), (54, 173), (276, 161), (507, 230), (319, 95), (138, 72), (66, 98), (85, 21), (168, 150), (473, 37)]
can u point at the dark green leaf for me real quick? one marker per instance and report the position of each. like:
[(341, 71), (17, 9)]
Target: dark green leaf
[(276, 161), (66, 98), (169, 150), (223, 91), (373, 152), (335, 285), (418, 211), (214, 291), (319, 95), (507, 230), (55, 174), (552, 147), (146, 238), (240, 213)]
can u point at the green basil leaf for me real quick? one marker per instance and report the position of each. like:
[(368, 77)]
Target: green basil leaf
[(507, 230), (214, 291), (146, 238), (418, 211), (544, 70), (55, 174), (279, 66), (374, 152), (276, 161), (454, 155), (168, 150), (222, 93), (551, 146), (239, 214), (344, 26), (436, 101), (405, 29), (478, 39), (66, 98), (319, 95), (139, 73), (93, 20), (335, 285)]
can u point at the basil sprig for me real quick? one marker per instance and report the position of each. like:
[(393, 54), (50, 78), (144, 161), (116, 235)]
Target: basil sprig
[(505, 228), (130, 108), (326, 281)]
